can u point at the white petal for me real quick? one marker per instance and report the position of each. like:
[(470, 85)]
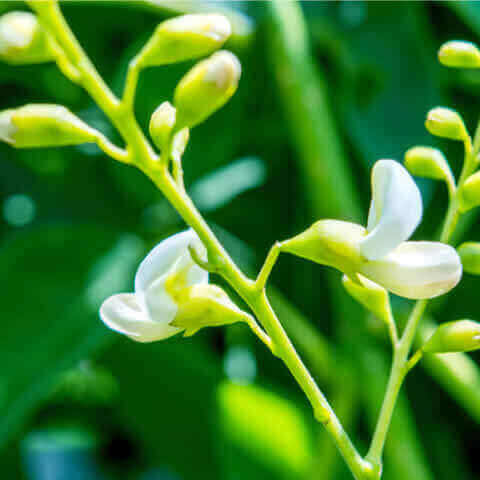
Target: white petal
[(417, 270), (162, 258), (124, 314), (395, 210)]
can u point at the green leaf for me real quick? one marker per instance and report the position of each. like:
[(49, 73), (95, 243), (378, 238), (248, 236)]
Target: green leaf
[(50, 298)]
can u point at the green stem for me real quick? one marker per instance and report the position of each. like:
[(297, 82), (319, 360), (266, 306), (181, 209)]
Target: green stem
[(142, 155), (400, 365)]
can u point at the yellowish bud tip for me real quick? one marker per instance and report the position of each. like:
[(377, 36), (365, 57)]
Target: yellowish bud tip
[(206, 88), (469, 193), (470, 255), (459, 54), (446, 123), (458, 336), (161, 124), (427, 162), (22, 40)]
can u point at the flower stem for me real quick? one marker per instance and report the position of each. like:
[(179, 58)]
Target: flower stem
[(141, 154)]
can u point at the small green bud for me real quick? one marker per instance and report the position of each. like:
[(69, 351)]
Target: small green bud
[(370, 295), (428, 162), (469, 193), (470, 255), (459, 54), (161, 125), (205, 305), (330, 242), (184, 38), (458, 336), (179, 143), (22, 39), (446, 123), (206, 88), (43, 125)]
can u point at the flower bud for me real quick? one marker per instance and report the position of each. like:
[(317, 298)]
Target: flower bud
[(459, 54), (179, 143), (428, 162), (458, 336), (330, 242), (205, 305), (161, 125), (469, 193), (206, 88), (43, 125), (371, 296), (22, 39), (446, 123), (186, 37), (470, 255)]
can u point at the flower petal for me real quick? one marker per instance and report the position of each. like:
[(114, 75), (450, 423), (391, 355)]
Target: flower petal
[(395, 210), (124, 314), (417, 270), (162, 258)]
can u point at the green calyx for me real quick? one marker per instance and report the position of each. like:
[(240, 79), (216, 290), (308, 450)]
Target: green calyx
[(330, 242)]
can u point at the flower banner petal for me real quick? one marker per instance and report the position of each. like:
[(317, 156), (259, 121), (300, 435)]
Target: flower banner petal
[(395, 210)]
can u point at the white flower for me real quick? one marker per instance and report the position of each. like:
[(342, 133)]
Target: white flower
[(409, 269), (146, 315)]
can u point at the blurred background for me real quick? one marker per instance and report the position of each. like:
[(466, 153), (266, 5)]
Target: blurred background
[(327, 89)]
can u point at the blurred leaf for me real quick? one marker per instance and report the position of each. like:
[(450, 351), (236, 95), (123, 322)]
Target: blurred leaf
[(167, 403), (265, 427), (50, 298), (220, 187)]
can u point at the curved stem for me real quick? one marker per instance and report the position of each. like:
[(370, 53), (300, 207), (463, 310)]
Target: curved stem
[(141, 154)]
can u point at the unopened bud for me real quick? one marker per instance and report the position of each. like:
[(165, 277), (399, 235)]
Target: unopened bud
[(330, 242), (43, 125), (469, 193), (458, 336), (446, 123), (459, 54), (429, 163), (184, 38), (370, 295), (22, 39), (179, 143), (470, 255), (205, 305), (161, 125), (206, 88)]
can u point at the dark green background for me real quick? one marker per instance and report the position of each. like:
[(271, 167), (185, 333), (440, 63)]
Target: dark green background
[(79, 402)]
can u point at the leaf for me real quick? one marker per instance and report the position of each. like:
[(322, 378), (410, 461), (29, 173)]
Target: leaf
[(50, 300)]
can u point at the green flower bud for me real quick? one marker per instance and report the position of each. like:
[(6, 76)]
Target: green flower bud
[(22, 39), (186, 37), (206, 88), (205, 305), (446, 123), (470, 255), (43, 125), (429, 163), (459, 54), (469, 193), (370, 295), (161, 125), (458, 336), (179, 143), (330, 242)]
